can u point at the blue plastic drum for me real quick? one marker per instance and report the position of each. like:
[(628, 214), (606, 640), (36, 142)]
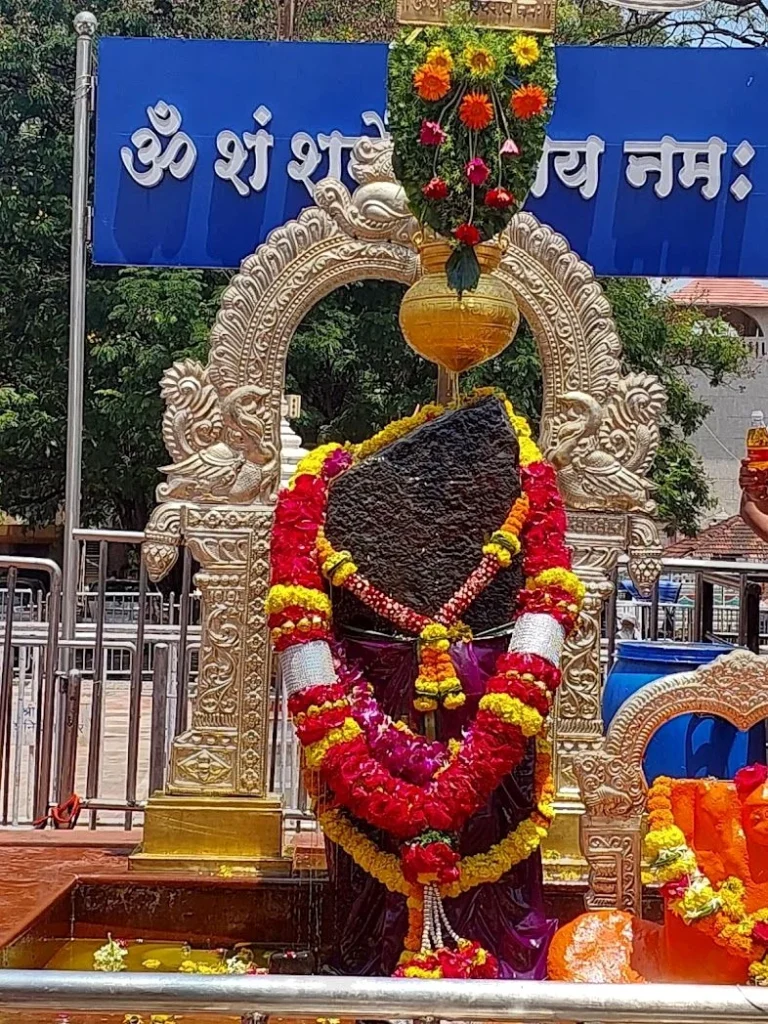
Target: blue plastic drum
[(690, 746)]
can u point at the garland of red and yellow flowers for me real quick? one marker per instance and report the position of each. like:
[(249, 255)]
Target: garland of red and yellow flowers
[(425, 814), (718, 911)]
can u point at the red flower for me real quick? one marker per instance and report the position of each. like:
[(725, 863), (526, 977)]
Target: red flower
[(467, 234), (749, 778), (528, 101), (675, 890), (431, 134), (760, 932), (476, 111), (430, 862), (435, 189), (477, 171), (499, 198)]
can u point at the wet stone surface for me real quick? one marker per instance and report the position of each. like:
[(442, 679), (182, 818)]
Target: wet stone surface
[(415, 516)]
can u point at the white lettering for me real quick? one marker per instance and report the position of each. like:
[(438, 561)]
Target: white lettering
[(178, 157), (309, 151), (235, 152), (308, 159), (658, 158), (576, 164)]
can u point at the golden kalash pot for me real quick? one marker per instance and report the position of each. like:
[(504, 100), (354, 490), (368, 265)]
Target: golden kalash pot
[(458, 332)]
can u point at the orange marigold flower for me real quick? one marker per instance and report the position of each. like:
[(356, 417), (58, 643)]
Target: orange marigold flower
[(476, 111), (432, 82), (528, 101)]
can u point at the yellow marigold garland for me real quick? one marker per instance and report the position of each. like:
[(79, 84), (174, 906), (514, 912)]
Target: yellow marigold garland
[(512, 710), (393, 432), (478, 869), (283, 595), (720, 911), (558, 577), (313, 461), (315, 752)]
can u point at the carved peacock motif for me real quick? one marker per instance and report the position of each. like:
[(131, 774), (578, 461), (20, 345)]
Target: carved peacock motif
[(218, 443), (602, 452)]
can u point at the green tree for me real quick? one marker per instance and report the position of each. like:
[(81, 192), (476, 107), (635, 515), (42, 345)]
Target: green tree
[(139, 322), (356, 373)]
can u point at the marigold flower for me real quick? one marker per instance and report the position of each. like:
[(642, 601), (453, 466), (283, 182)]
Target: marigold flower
[(479, 61), (528, 101), (477, 171), (476, 111), (467, 234), (440, 57), (499, 198), (525, 50), (436, 189), (431, 134), (431, 82)]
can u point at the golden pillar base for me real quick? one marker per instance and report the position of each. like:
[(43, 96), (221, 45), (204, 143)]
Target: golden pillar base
[(207, 835), (561, 851)]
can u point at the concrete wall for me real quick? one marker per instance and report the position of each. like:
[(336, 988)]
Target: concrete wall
[(720, 441)]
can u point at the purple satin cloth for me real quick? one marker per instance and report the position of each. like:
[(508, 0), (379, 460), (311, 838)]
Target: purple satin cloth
[(506, 917)]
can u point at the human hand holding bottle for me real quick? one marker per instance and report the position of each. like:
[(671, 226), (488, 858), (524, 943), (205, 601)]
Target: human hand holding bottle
[(753, 478)]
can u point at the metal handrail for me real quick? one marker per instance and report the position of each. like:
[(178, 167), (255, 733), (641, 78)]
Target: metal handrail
[(378, 998)]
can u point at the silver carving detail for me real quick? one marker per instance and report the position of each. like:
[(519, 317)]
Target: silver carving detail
[(537, 633), (306, 665)]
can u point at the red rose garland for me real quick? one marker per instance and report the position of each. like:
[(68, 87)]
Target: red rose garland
[(328, 716)]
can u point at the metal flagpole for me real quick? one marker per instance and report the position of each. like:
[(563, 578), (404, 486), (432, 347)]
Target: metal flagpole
[(85, 27)]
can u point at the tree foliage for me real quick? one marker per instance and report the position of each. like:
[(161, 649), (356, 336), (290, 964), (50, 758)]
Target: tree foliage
[(355, 373), (348, 361)]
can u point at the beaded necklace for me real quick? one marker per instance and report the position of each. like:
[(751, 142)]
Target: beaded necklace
[(437, 680)]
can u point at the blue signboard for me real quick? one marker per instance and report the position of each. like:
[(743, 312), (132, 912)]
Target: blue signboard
[(655, 164)]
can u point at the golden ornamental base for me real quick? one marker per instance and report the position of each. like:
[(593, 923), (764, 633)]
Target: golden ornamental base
[(212, 835), (561, 850)]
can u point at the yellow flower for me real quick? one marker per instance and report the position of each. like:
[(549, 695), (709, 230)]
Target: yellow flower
[(338, 565), (384, 867), (662, 839), (525, 50), (512, 710), (731, 894), (453, 700), (700, 900), (440, 57), (434, 631), (503, 545), (560, 578), (758, 973), (479, 61), (315, 752), (313, 462), (529, 452), (288, 596), (394, 431)]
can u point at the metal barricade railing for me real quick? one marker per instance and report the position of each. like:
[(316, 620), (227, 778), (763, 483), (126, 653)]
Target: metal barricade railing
[(719, 601), (137, 675), (82, 714), (416, 999)]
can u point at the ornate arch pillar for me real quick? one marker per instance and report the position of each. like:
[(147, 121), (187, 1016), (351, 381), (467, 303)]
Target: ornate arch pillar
[(222, 431)]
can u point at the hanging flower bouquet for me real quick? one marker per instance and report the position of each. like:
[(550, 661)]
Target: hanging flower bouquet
[(468, 112)]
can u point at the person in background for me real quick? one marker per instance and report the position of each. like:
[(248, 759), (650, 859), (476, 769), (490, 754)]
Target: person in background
[(754, 498), (627, 628)]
